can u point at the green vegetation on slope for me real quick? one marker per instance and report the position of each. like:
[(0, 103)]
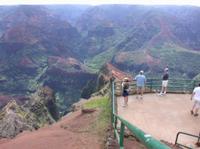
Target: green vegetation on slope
[(107, 47), (103, 121), (99, 60), (181, 61)]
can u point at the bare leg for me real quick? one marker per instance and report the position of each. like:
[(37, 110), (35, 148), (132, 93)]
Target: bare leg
[(192, 111), (196, 110), (137, 92), (194, 105), (164, 90), (142, 91), (126, 100)]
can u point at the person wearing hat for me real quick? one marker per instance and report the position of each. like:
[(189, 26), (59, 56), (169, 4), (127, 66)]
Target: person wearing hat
[(140, 83), (125, 90), (165, 79)]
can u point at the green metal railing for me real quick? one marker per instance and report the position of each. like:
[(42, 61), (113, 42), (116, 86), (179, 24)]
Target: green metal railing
[(174, 85), (154, 85), (186, 134), (144, 138)]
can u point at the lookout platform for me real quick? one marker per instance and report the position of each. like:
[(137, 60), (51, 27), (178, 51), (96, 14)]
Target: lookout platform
[(162, 116)]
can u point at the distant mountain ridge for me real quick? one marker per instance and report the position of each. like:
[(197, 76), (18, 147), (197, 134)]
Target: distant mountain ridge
[(146, 29)]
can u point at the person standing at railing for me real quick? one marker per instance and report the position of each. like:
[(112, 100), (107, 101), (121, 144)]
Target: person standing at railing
[(140, 83), (196, 97), (165, 79), (125, 90)]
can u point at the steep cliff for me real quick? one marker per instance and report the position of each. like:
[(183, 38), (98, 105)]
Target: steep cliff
[(15, 119), (36, 112)]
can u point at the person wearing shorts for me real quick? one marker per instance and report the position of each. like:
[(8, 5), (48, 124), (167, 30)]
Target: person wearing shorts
[(196, 97), (125, 90), (140, 82), (164, 82)]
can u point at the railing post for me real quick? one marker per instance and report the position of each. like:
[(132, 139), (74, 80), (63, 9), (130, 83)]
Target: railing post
[(114, 118), (187, 134), (112, 92), (177, 138), (113, 97), (114, 125), (193, 84), (121, 140)]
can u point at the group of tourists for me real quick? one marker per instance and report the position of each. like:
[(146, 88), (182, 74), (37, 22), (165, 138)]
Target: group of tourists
[(141, 81)]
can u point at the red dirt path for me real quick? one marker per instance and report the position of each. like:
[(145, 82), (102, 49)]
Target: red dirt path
[(69, 133)]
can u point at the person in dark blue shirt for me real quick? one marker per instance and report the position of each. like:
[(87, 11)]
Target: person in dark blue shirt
[(165, 79)]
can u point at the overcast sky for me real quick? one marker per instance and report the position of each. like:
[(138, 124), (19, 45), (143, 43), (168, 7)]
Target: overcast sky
[(97, 2)]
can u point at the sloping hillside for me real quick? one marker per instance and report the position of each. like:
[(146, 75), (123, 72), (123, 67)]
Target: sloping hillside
[(76, 130), (153, 37), (39, 48), (60, 135)]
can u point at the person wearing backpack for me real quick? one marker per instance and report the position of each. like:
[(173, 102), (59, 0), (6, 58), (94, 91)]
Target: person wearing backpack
[(125, 90)]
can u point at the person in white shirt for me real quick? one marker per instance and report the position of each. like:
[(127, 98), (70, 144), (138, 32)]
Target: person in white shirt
[(196, 97)]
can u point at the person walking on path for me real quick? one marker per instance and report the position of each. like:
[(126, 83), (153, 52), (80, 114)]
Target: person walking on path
[(125, 90), (196, 97), (140, 83), (165, 79)]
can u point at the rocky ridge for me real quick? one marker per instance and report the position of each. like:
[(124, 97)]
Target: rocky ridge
[(35, 113)]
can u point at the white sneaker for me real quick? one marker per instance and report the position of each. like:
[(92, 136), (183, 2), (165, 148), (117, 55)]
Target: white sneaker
[(161, 94)]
